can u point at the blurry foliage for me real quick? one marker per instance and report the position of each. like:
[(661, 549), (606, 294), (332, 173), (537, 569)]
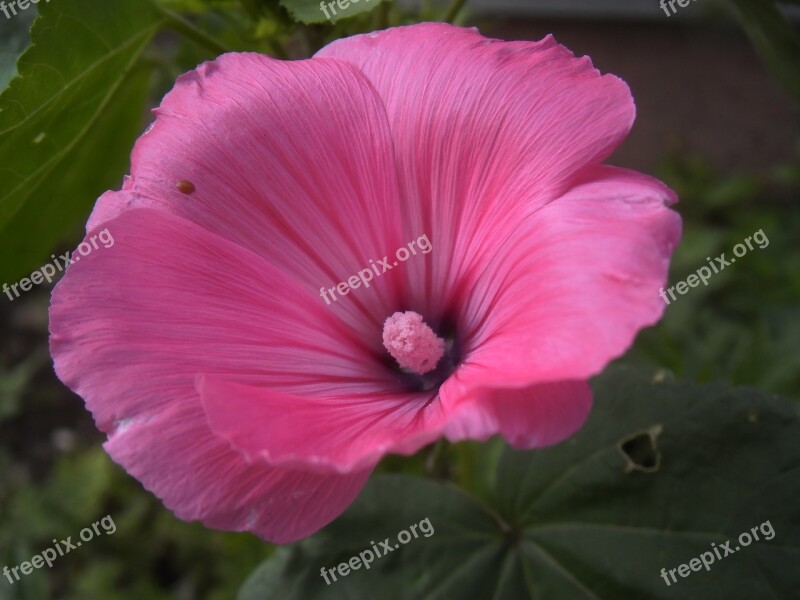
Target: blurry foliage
[(744, 326), (150, 555), (774, 38)]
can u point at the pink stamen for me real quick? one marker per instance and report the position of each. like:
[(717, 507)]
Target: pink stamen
[(412, 343)]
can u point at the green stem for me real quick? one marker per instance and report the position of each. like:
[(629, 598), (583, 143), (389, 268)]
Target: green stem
[(184, 27), (433, 460), (454, 10)]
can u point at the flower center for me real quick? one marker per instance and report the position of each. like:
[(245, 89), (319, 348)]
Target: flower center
[(412, 343)]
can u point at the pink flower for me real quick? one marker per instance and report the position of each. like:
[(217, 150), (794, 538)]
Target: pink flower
[(201, 345)]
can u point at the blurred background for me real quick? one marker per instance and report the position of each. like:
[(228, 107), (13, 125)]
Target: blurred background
[(717, 96)]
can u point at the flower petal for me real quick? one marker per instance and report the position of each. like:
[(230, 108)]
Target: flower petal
[(132, 325), (569, 291), (485, 132), (334, 434), (200, 477), (290, 159), (532, 417)]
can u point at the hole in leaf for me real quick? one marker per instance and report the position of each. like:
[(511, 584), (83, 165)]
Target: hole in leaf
[(641, 450)]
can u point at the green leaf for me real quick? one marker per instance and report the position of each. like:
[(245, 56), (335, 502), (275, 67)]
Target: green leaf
[(774, 38), (310, 11), (660, 472), (63, 200), (66, 122)]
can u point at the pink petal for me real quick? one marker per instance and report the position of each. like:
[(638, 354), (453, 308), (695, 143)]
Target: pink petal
[(485, 133), (134, 324), (333, 434), (569, 291), (200, 477), (292, 160), (531, 417)]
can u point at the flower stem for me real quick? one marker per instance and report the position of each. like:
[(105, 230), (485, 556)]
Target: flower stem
[(434, 459)]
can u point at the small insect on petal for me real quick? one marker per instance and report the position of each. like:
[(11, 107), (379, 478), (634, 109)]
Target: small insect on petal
[(185, 187)]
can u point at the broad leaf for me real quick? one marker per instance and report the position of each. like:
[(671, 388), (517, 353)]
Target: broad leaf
[(67, 121), (661, 473)]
